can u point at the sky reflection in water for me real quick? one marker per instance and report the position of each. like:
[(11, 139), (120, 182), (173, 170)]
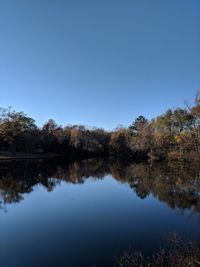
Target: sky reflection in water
[(86, 213)]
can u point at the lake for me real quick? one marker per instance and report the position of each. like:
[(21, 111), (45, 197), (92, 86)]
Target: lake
[(86, 213)]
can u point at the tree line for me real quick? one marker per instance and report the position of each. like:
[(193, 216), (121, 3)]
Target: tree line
[(174, 134)]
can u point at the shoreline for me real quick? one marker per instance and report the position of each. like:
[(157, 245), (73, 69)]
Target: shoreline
[(28, 156)]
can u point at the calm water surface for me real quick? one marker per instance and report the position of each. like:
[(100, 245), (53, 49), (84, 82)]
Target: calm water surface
[(86, 213)]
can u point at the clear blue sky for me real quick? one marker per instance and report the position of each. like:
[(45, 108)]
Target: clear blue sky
[(98, 62)]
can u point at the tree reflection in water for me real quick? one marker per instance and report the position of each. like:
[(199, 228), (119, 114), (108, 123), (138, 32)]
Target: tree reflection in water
[(178, 185)]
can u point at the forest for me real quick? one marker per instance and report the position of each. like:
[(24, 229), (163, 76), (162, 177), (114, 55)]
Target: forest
[(172, 135)]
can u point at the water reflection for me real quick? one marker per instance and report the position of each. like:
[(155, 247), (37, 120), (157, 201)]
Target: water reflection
[(178, 185)]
